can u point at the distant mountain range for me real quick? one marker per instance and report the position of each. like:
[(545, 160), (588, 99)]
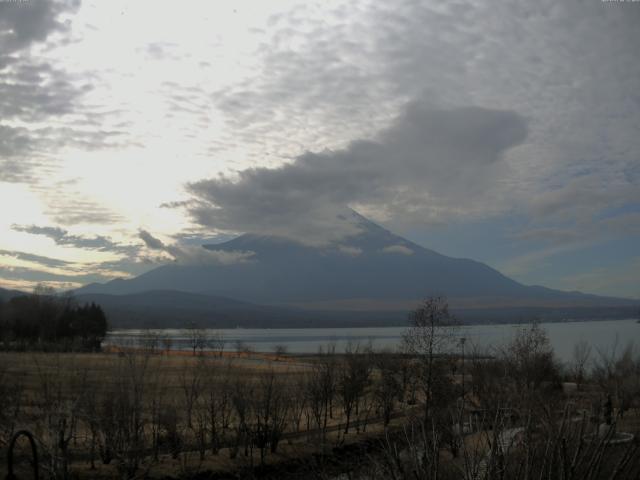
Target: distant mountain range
[(373, 278)]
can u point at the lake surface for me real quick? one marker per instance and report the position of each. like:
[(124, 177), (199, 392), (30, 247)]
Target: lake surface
[(602, 335)]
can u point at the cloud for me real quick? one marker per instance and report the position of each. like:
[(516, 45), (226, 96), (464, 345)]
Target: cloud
[(569, 68), (30, 88), (33, 276), (29, 257), (537, 259), (400, 249), (585, 196), (349, 250), (66, 205), (342, 75), (620, 224), (150, 241), (35, 91), (13, 141), (62, 237), (545, 248), (589, 208), (334, 79), (195, 255), (24, 23), (427, 164), (616, 280), (160, 51)]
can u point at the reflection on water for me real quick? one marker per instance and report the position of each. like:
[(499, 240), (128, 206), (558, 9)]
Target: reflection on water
[(602, 335)]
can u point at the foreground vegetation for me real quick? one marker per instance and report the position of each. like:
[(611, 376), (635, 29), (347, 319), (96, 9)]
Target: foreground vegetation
[(418, 413)]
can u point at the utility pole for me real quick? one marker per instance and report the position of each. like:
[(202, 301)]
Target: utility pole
[(462, 342)]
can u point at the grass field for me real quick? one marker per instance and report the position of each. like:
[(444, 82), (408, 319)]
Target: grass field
[(55, 387)]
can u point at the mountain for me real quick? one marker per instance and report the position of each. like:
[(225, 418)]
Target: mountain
[(374, 270), (167, 308), (174, 309), (6, 295)]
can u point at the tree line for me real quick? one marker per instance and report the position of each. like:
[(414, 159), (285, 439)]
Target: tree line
[(44, 320)]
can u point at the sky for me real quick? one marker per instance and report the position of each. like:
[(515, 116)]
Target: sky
[(133, 132)]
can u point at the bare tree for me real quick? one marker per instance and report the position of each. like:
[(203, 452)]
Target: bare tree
[(191, 384), (241, 396), (280, 350), (217, 395), (150, 341), (352, 380), (156, 403), (321, 389), (241, 347), (169, 425), (122, 420), (217, 343), (59, 396), (167, 343), (430, 336), (529, 364), (269, 412), (386, 386), (297, 400), (618, 374), (197, 338), (580, 357)]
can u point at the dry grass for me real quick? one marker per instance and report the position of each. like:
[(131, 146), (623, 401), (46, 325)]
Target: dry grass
[(100, 372)]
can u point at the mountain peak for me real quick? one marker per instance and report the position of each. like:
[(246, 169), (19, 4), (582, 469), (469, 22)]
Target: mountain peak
[(368, 237), (371, 267)]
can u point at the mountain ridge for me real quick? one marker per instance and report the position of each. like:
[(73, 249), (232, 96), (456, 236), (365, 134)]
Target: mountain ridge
[(374, 265)]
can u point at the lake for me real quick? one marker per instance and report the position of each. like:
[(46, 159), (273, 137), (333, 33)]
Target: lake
[(602, 335)]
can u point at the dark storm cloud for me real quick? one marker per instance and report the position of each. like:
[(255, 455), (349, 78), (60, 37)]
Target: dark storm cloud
[(62, 237), (428, 160)]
